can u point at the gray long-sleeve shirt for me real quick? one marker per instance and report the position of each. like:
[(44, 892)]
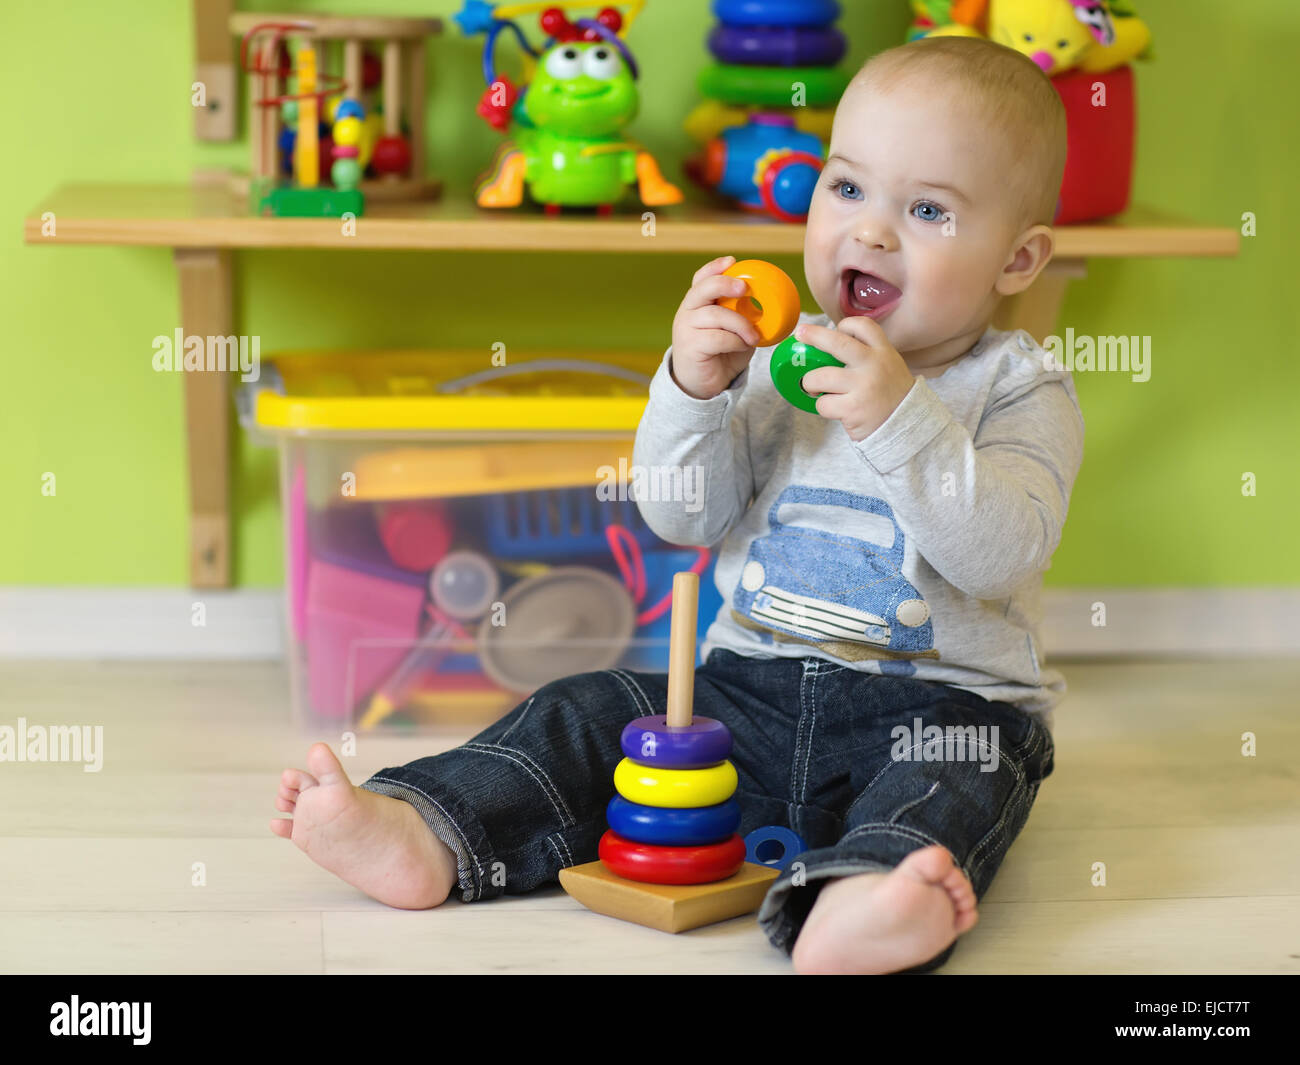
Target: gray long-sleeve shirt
[(918, 551)]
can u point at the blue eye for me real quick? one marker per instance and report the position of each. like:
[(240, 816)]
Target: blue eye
[(934, 213), (853, 193)]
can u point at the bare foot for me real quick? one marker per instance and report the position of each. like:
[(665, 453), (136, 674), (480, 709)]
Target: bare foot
[(375, 843), (887, 922)]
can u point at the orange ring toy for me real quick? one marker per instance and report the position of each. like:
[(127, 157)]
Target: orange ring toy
[(770, 287)]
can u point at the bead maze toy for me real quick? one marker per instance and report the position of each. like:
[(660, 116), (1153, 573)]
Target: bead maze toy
[(566, 142), (672, 858), (772, 305), (324, 143)]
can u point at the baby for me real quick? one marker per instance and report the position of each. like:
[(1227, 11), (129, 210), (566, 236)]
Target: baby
[(876, 657)]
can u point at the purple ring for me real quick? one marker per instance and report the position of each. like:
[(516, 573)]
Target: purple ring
[(649, 741), (777, 46)]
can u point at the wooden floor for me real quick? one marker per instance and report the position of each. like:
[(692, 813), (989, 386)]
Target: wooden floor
[(1201, 845)]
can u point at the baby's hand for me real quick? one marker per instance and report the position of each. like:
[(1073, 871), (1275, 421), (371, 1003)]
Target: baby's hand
[(711, 344), (867, 389)]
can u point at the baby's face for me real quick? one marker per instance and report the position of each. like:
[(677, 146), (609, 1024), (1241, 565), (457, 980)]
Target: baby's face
[(911, 222)]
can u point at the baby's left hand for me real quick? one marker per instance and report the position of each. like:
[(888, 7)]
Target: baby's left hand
[(873, 381)]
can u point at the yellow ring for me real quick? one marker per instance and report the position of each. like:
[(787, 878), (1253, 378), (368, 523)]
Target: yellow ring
[(676, 788)]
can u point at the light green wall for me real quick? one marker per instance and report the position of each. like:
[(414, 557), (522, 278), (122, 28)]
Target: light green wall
[(100, 92)]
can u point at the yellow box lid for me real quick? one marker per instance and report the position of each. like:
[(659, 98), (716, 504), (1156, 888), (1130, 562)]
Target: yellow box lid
[(456, 390)]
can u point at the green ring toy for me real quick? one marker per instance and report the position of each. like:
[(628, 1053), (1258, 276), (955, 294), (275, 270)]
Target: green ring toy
[(772, 86), (790, 361)]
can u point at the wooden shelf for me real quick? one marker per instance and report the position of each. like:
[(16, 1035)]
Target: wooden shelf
[(209, 216)]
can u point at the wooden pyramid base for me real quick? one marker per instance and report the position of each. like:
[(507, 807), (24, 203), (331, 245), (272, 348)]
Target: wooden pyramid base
[(668, 907)]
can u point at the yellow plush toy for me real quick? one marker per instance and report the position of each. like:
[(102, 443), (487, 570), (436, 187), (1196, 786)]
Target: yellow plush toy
[(1058, 35)]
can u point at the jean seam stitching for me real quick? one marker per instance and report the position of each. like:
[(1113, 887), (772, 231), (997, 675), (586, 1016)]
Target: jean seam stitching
[(802, 750), (638, 694), (566, 858), (812, 732), (1003, 756), (522, 714), (1013, 800), (893, 818), (1032, 742), (884, 828), (548, 787)]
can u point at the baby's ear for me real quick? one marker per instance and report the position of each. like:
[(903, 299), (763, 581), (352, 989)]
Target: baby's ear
[(1032, 252)]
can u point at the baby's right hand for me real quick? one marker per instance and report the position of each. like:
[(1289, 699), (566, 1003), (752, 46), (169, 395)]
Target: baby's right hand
[(711, 344)]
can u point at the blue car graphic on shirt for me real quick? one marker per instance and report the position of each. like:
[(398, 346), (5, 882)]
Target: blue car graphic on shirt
[(823, 586)]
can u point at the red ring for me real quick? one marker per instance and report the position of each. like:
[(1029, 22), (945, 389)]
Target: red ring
[(652, 864)]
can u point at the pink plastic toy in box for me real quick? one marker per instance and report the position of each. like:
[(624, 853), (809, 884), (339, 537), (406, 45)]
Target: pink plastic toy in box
[(359, 627)]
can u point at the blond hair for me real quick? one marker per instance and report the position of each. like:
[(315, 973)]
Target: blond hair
[(1008, 91)]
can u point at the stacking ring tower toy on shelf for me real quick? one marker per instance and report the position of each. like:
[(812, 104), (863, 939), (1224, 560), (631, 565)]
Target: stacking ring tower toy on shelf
[(672, 858), (775, 65), (775, 316), (567, 146)]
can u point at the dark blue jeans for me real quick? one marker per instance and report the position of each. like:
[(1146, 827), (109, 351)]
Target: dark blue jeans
[(827, 751)]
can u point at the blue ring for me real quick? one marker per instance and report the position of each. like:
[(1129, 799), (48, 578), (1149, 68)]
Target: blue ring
[(665, 827), (649, 741), (777, 46), (776, 12), (793, 845)]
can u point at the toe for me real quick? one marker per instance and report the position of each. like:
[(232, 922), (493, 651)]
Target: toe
[(297, 780), (282, 827), (959, 888), (285, 804), (806, 957), (931, 864), (326, 767)]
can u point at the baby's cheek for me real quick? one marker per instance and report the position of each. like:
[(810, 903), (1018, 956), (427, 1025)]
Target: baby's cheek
[(960, 275)]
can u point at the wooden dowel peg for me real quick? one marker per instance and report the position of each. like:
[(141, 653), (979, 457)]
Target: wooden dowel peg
[(393, 87), (681, 649), (352, 68)]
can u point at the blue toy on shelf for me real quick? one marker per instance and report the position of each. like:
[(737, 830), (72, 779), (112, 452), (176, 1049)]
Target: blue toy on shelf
[(766, 165)]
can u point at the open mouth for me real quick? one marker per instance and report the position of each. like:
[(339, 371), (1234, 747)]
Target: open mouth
[(866, 295)]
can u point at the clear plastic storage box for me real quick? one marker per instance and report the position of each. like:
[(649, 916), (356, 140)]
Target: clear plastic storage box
[(454, 541)]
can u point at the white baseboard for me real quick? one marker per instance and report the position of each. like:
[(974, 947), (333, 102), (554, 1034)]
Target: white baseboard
[(140, 623), (158, 623), (1177, 622)]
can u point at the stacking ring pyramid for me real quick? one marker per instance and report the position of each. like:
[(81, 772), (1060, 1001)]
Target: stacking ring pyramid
[(672, 859)]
